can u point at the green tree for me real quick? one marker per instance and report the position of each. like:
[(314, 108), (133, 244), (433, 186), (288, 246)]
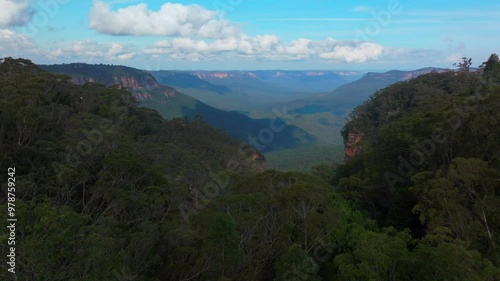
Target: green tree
[(223, 245), (464, 65), (376, 256), (491, 68), (464, 198), (296, 265), (440, 257)]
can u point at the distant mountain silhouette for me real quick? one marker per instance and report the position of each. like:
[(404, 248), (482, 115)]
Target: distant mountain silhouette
[(346, 97), (172, 103)]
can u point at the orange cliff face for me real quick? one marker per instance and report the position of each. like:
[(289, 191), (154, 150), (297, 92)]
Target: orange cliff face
[(218, 75), (132, 83), (146, 82), (351, 146)]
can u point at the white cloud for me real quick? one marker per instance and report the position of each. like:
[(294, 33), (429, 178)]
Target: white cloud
[(268, 47), (14, 12), (454, 58), (14, 44), (171, 20), (88, 49), (200, 34), (354, 53)]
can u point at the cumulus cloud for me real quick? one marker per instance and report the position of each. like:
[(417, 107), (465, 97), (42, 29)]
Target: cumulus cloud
[(93, 50), (171, 20), (11, 43), (14, 12), (269, 47), (201, 34), (354, 53)]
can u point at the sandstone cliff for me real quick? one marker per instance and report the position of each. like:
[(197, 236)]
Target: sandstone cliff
[(351, 145), (130, 82), (111, 75)]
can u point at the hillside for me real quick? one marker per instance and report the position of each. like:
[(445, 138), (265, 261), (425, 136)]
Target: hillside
[(424, 154), (322, 115), (171, 104), (186, 80), (104, 189), (305, 81), (125, 77), (348, 96), (252, 91)]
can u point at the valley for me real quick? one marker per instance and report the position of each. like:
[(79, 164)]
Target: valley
[(119, 165), (310, 105), (230, 140)]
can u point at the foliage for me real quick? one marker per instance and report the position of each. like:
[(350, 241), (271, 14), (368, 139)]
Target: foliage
[(430, 160), (109, 190), (296, 265), (304, 159)]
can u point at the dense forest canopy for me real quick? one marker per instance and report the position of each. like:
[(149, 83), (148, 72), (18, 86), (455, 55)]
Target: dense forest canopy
[(430, 155), (108, 190)]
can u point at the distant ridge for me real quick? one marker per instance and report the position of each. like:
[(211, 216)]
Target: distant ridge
[(346, 97), (171, 103), (184, 79), (123, 76), (274, 80)]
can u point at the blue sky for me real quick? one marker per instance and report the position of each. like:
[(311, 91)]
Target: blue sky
[(251, 34)]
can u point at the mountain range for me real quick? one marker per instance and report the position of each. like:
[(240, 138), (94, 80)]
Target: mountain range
[(171, 103), (250, 91), (244, 103), (354, 93)]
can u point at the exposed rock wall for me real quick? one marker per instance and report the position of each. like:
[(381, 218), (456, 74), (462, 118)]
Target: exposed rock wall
[(145, 82), (351, 145)]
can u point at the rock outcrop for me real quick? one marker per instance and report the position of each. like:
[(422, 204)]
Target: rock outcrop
[(351, 145), (130, 82), (143, 82), (121, 76)]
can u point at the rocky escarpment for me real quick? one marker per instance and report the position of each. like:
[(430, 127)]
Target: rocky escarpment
[(111, 75), (130, 82), (351, 144), (143, 82), (353, 133), (398, 75)]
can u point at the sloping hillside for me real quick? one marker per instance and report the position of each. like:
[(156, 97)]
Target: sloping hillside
[(418, 147), (171, 103)]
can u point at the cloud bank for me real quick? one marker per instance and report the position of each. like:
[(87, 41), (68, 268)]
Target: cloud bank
[(92, 50), (171, 20), (201, 34), (267, 47)]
